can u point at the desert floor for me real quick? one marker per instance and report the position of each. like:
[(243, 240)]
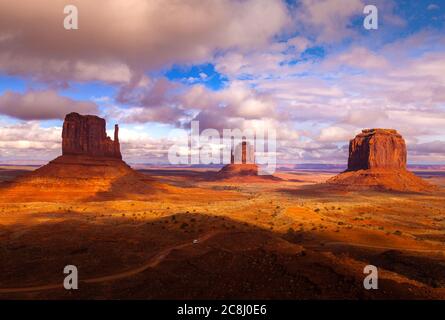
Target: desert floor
[(287, 239)]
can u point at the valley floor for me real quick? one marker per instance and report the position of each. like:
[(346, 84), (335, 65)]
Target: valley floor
[(278, 239)]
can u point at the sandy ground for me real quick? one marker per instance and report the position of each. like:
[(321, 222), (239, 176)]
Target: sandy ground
[(287, 239)]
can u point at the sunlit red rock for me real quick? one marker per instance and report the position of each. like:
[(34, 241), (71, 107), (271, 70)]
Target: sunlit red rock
[(377, 148), (90, 168), (377, 159), (242, 162), (86, 135)]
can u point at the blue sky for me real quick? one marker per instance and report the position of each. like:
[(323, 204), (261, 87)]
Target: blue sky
[(308, 69)]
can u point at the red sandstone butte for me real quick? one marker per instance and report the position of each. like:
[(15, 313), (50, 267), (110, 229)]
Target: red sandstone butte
[(242, 162), (90, 168), (86, 135), (377, 148), (377, 159), (242, 167)]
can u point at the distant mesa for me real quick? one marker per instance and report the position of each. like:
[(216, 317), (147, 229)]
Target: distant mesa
[(377, 159), (242, 162), (90, 168), (242, 167)]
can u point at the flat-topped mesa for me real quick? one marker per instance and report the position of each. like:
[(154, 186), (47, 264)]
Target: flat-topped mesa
[(86, 135), (377, 149), (377, 160)]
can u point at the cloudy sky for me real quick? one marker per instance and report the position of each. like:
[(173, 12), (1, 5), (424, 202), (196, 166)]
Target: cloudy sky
[(307, 68)]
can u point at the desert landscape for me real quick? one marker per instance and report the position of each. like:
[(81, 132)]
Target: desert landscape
[(193, 233), (222, 150)]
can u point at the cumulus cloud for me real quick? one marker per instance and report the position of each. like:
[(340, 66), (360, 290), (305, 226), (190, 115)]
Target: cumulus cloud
[(167, 102), (358, 57), (270, 62), (335, 134), (29, 141), (163, 114), (315, 101), (329, 102), (329, 19), (236, 100), (117, 38), (42, 105)]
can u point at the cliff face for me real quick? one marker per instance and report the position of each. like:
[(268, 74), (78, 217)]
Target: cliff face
[(86, 135), (90, 169), (377, 149)]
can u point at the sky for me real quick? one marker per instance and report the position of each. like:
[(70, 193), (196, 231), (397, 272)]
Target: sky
[(306, 68)]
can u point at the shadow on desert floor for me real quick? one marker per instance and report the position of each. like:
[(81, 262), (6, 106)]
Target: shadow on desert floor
[(194, 256)]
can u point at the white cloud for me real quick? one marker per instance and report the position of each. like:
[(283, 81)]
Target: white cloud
[(329, 19), (335, 134), (433, 6), (120, 39), (29, 141), (42, 105)]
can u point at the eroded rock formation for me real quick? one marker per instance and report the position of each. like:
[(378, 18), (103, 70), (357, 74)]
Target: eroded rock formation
[(243, 153), (377, 148), (90, 168), (242, 167), (377, 159), (86, 135)]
